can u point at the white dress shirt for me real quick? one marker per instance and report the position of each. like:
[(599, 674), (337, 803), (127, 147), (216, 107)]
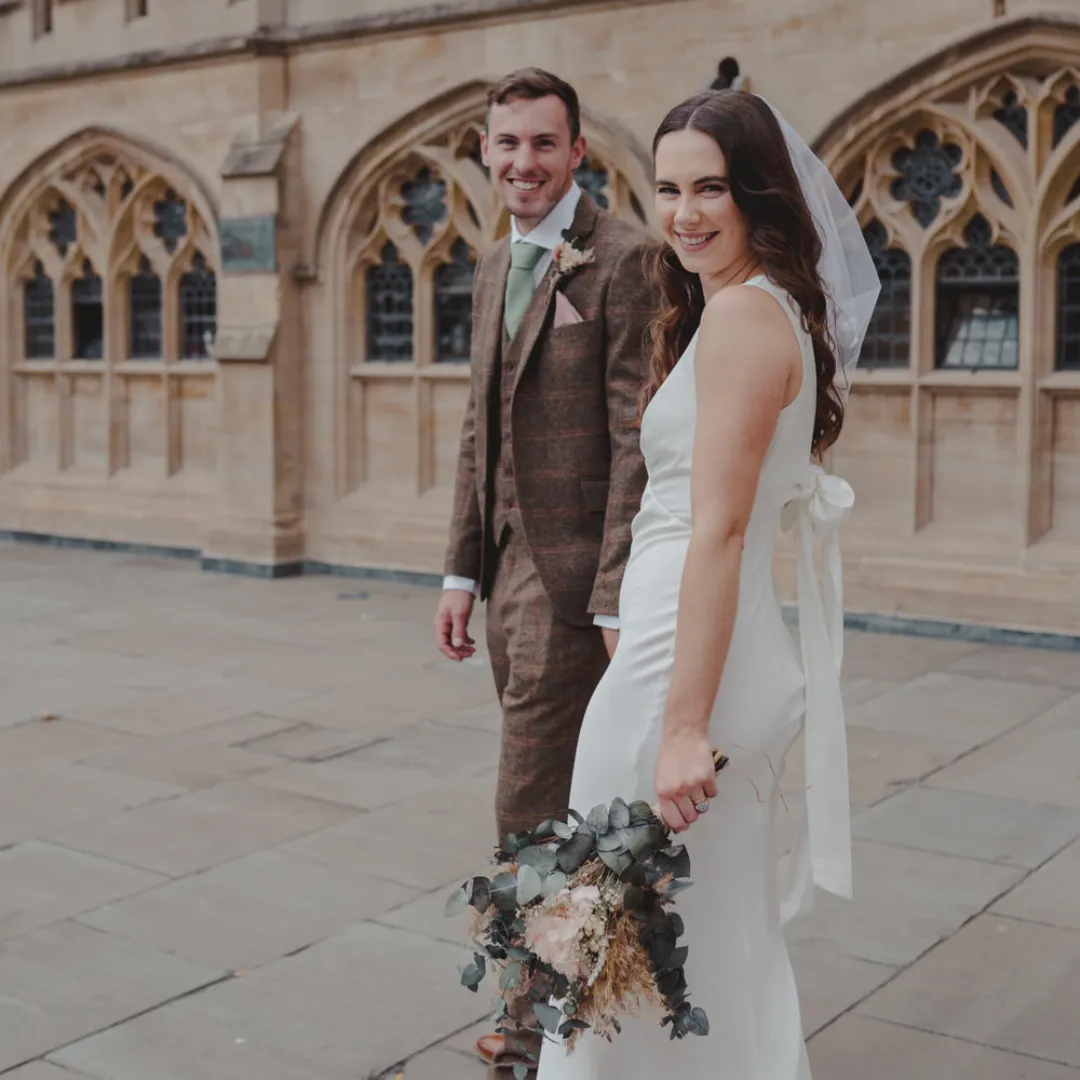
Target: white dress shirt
[(548, 235)]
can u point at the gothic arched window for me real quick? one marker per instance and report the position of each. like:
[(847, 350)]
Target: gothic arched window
[(198, 311), (389, 309), (39, 316), (978, 302), (144, 310), (888, 338), (453, 305), (1068, 310), (87, 316)]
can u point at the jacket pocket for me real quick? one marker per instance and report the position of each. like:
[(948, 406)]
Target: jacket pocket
[(595, 494)]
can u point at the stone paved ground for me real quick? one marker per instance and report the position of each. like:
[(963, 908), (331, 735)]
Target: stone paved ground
[(230, 811)]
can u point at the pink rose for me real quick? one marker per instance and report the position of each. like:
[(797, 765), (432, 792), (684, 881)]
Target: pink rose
[(553, 931)]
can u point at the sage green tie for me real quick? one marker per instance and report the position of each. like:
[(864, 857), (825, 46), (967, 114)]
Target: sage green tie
[(519, 282)]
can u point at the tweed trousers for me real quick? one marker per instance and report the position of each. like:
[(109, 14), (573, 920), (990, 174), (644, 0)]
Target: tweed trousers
[(546, 670)]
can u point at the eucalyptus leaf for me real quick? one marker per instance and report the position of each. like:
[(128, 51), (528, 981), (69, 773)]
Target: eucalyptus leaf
[(521, 1071), (610, 841), (553, 883), (545, 830), (541, 857), (481, 894), (572, 1025), (676, 861), (640, 812), (511, 976), (562, 830), (620, 814), (529, 885), (616, 861), (548, 1015), (697, 1023), (576, 816), (574, 852), (645, 838), (598, 820), (677, 885), (458, 901), (504, 892), (516, 952)]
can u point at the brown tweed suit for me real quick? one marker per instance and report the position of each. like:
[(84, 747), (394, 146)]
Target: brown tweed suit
[(569, 396)]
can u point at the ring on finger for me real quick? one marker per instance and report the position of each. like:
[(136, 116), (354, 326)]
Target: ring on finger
[(701, 806)]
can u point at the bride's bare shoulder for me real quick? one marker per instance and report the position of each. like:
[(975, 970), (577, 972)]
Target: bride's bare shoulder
[(747, 316)]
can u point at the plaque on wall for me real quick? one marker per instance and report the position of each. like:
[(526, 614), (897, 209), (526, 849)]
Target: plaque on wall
[(249, 243)]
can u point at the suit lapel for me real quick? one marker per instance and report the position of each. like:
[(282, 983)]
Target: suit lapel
[(535, 319), (491, 326)]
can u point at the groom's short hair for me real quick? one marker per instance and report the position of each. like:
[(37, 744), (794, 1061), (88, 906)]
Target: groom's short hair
[(533, 83)]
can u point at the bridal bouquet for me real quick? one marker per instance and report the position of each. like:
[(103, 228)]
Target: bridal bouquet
[(580, 914)]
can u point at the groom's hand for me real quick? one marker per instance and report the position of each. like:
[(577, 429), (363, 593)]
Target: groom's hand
[(452, 625), (611, 639)]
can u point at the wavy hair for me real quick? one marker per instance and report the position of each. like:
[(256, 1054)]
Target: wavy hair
[(782, 236)]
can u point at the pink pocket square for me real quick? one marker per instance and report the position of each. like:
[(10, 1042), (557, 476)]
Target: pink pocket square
[(565, 312)]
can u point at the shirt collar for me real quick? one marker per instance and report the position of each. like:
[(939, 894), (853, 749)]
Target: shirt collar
[(548, 234)]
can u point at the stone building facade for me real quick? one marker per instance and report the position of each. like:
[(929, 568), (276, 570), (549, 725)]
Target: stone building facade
[(237, 240)]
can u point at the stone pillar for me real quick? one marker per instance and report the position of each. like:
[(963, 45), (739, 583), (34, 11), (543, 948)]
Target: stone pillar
[(258, 524)]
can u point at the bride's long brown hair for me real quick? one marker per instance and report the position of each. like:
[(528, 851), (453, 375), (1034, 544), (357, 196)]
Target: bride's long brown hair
[(783, 241)]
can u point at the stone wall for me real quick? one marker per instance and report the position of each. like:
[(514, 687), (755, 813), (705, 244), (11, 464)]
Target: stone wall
[(296, 442)]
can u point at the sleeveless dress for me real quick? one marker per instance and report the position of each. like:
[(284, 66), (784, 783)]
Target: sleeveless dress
[(738, 968)]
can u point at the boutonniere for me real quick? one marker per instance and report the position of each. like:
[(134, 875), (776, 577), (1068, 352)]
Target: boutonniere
[(571, 255)]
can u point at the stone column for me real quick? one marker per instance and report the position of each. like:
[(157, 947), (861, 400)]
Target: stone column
[(258, 525)]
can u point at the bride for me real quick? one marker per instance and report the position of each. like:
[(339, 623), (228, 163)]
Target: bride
[(767, 289)]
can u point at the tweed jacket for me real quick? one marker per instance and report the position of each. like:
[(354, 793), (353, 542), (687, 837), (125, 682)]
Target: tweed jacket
[(574, 435)]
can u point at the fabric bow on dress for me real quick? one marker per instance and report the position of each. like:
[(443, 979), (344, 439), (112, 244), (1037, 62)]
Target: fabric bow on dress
[(820, 504)]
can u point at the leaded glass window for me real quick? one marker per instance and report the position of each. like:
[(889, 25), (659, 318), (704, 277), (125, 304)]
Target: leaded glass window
[(453, 305), (144, 306), (927, 175), (87, 321), (1013, 116), (390, 309), (593, 179), (425, 203), (888, 337), (1066, 114), (198, 311), (39, 316), (62, 226), (170, 220), (1068, 310), (978, 302)]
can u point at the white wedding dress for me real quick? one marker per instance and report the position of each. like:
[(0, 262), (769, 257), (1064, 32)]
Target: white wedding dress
[(738, 968)]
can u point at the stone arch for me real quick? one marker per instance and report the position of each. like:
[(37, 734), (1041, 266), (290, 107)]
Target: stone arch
[(970, 160), (120, 238), (395, 245)]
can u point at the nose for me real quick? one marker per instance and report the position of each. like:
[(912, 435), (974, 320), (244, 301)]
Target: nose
[(524, 160), (687, 215)]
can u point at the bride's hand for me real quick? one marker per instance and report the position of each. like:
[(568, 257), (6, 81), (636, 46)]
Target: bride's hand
[(685, 777)]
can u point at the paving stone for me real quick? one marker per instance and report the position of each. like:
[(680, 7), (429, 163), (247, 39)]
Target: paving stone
[(186, 834), (28, 696), (66, 981), (857, 1047), (306, 742), (423, 842), (1050, 895), (250, 911), (973, 826), (39, 743), (898, 657), (45, 801), (486, 717), (190, 707), (1050, 666), (42, 1070), (324, 1014), (426, 915), (905, 901), (1039, 762), (880, 763), (1008, 984), (442, 1064), (41, 884), (956, 709), (830, 983)]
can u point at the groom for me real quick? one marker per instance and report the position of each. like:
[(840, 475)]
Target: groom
[(550, 474)]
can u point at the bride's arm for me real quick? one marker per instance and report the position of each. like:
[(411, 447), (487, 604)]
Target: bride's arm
[(747, 366)]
